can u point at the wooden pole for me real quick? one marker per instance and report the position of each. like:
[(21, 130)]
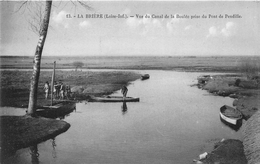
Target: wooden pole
[(52, 81)]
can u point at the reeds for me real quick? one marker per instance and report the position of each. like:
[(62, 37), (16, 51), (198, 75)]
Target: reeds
[(251, 141)]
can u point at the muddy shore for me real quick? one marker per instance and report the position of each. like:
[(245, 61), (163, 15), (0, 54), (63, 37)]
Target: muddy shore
[(22, 131), (246, 94)]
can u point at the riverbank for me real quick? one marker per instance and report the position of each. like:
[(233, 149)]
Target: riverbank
[(246, 94), (15, 85), (98, 82), (23, 131)]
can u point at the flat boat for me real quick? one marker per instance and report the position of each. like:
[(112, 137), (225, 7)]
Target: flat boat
[(56, 110), (204, 79), (145, 76), (114, 99)]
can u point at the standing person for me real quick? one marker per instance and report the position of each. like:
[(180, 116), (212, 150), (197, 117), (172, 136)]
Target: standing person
[(67, 92), (46, 89), (62, 90), (55, 90), (59, 88), (124, 91)]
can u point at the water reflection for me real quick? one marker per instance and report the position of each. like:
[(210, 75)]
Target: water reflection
[(34, 154), (54, 154), (124, 108)]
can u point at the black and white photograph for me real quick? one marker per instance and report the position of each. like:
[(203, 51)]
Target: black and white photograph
[(129, 82)]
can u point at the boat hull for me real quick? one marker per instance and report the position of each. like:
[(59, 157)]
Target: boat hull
[(58, 110), (229, 118), (145, 77), (232, 126), (114, 99)]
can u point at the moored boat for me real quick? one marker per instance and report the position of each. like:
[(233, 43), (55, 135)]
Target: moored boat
[(60, 109), (114, 99), (145, 76), (230, 115), (204, 79)]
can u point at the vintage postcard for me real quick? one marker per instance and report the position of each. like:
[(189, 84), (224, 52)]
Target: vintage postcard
[(130, 82)]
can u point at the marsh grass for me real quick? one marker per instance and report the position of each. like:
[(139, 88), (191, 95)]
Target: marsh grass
[(250, 67), (221, 85), (15, 84)]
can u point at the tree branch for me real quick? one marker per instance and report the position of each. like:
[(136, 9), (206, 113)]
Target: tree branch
[(25, 2), (86, 6)]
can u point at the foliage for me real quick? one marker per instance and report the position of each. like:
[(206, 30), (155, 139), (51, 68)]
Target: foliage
[(250, 67)]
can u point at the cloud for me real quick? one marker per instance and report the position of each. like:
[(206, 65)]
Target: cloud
[(126, 11), (213, 32), (147, 24), (227, 31), (147, 19), (133, 22), (173, 24), (188, 27), (60, 19), (84, 24)]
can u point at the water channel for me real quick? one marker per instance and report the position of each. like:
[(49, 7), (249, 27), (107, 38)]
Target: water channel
[(172, 123)]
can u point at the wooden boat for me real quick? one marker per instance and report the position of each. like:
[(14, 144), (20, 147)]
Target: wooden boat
[(113, 99), (145, 76), (204, 79), (57, 110), (230, 115)]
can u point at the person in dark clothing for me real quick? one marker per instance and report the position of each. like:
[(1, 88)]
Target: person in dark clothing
[(124, 91)]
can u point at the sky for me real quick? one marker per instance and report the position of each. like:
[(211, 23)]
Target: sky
[(167, 28)]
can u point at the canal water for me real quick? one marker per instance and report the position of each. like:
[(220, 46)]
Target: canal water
[(172, 123)]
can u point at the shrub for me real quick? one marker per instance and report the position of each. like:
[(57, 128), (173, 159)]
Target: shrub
[(250, 67)]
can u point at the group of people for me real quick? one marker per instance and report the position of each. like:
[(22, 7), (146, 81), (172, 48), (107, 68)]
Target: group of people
[(60, 90)]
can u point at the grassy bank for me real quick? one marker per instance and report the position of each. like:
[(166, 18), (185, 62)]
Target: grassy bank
[(246, 94), (15, 84), (245, 91)]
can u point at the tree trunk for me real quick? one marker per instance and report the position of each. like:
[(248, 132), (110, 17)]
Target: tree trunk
[(37, 60)]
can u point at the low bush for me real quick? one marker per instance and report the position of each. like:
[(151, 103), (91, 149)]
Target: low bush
[(250, 67)]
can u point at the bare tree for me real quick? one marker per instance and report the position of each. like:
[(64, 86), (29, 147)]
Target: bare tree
[(40, 23), (37, 59), (36, 18)]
